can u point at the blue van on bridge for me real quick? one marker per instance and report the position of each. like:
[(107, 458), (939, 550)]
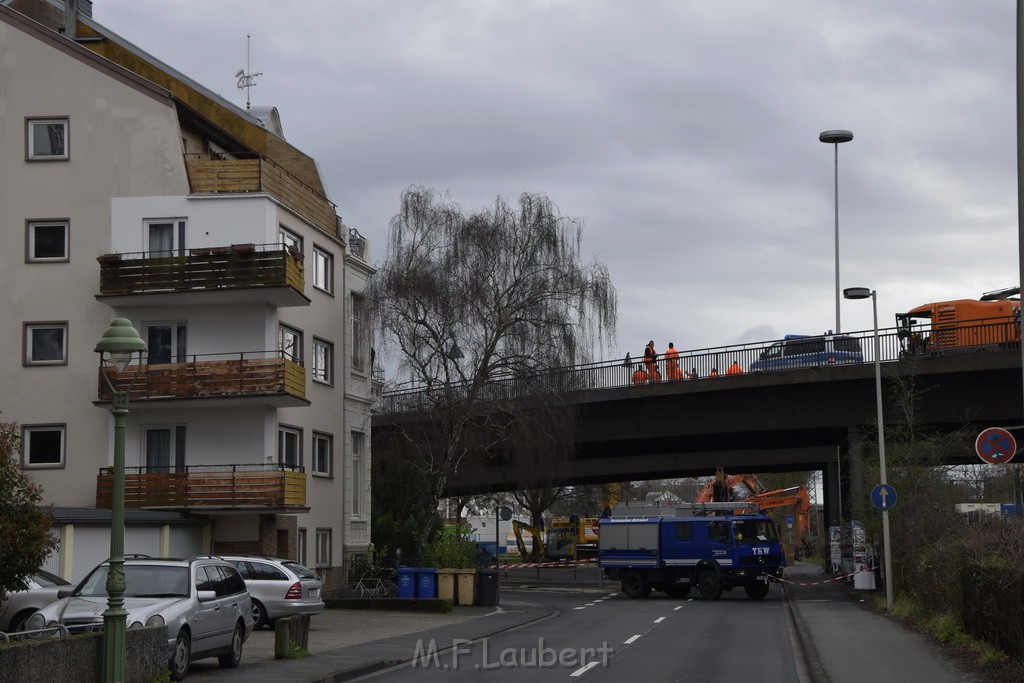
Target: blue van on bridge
[(805, 351)]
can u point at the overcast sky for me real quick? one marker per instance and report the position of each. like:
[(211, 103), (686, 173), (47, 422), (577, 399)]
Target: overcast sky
[(684, 133)]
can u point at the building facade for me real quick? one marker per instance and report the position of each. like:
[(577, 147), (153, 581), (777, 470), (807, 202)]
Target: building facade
[(130, 191)]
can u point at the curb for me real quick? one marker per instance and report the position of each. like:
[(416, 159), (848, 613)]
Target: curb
[(811, 659)]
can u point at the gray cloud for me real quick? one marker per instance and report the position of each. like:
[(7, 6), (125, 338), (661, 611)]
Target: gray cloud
[(683, 133)]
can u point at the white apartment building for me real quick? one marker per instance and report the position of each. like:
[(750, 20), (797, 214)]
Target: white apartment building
[(129, 191)]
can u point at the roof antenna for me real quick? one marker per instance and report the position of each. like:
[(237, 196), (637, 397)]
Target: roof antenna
[(246, 80)]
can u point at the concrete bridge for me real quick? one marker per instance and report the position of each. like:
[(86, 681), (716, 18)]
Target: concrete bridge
[(791, 420)]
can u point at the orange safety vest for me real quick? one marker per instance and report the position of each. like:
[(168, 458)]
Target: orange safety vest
[(734, 369)]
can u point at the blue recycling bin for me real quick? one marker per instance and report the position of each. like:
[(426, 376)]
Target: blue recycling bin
[(426, 582), (406, 582)]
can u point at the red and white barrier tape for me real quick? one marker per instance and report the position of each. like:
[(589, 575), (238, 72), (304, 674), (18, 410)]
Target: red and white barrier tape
[(815, 583), (531, 565)]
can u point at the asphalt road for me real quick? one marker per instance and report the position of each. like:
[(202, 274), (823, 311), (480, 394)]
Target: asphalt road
[(604, 636)]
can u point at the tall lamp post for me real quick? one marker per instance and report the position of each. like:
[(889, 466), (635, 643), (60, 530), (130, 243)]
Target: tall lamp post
[(118, 347), (864, 293), (834, 137)]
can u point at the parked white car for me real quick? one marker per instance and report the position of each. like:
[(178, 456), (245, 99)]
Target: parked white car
[(202, 602), (279, 588), (40, 590)]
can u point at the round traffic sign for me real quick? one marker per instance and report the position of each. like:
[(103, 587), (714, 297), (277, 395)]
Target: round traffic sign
[(995, 445), (883, 497)]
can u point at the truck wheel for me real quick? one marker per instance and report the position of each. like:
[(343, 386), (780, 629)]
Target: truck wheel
[(634, 585), (678, 591), (709, 585), (756, 590)]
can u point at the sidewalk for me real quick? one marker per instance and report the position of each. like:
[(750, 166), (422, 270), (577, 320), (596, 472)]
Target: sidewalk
[(845, 642), (351, 643)]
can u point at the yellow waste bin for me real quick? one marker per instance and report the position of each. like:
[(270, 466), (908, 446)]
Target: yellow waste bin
[(467, 585), (446, 584)]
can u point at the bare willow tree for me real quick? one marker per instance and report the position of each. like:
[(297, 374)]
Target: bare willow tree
[(463, 301)]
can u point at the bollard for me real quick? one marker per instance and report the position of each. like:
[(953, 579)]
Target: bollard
[(290, 633)]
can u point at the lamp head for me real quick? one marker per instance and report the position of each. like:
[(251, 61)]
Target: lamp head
[(835, 136), (120, 341), (857, 293)]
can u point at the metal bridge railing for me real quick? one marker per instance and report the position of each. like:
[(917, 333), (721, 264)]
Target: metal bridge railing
[(996, 334)]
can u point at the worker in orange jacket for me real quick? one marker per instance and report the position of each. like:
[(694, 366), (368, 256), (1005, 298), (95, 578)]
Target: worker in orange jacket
[(672, 370), (734, 369), (650, 358)]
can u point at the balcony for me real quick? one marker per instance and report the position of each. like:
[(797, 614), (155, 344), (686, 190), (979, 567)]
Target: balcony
[(210, 174), (215, 379), (208, 487), (239, 274)]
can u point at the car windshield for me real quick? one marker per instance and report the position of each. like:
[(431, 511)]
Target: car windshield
[(47, 580), (301, 571), (751, 531), (141, 581)]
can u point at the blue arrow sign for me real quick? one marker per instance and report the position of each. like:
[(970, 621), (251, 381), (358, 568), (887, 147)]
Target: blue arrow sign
[(789, 521), (883, 497)]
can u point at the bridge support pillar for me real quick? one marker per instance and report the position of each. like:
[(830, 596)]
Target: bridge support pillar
[(833, 497), (855, 503)]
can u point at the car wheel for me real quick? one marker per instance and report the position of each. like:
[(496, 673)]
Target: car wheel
[(18, 621), (231, 658), (634, 585), (180, 657), (709, 585), (756, 590), (259, 615)]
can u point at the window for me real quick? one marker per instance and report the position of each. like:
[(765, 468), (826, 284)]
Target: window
[(323, 270), (165, 237), (291, 241), (357, 475), (323, 454), (289, 341), (46, 343), (289, 446), (684, 531), (300, 546), (165, 449), (43, 446), (323, 366), (166, 342), (47, 241), (323, 547), (47, 139), (358, 333)]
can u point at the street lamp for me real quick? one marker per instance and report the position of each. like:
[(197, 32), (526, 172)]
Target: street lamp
[(834, 137), (864, 293), (117, 348)]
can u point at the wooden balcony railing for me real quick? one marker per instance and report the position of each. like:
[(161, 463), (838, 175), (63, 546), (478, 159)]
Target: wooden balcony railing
[(235, 267), (207, 486), (262, 373), (208, 174)]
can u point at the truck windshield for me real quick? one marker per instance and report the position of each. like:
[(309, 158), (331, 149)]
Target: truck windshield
[(752, 531)]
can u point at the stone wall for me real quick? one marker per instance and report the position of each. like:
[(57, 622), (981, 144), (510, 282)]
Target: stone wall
[(79, 658)]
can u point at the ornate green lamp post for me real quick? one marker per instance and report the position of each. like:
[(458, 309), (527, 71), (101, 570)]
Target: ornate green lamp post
[(117, 349)]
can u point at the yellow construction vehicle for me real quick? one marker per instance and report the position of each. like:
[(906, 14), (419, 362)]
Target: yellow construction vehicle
[(537, 534)]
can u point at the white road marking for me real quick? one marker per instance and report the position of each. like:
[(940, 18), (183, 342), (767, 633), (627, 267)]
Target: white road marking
[(584, 607), (584, 669), (659, 620), (677, 608), (632, 639)]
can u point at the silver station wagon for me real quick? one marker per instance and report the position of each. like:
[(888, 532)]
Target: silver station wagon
[(279, 588)]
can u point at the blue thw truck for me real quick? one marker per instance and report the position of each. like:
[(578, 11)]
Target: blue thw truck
[(675, 554)]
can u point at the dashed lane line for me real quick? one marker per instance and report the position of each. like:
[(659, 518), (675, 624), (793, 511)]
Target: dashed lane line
[(631, 639), (584, 669)]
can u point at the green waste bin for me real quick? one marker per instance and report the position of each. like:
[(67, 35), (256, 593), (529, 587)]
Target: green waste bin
[(487, 587)]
